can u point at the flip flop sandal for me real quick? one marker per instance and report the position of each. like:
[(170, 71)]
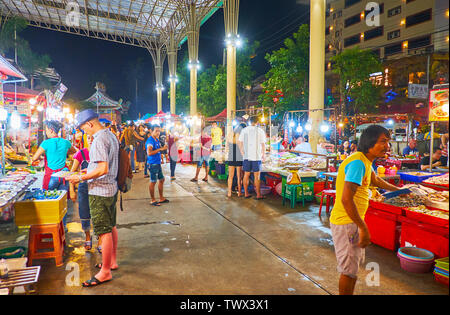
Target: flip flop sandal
[(99, 266), (88, 244), (261, 198), (93, 282), (194, 180), (246, 197), (156, 204), (165, 201), (205, 180)]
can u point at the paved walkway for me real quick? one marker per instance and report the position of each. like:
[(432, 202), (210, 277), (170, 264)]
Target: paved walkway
[(205, 243)]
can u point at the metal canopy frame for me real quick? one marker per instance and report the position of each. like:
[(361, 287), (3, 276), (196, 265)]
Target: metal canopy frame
[(132, 22)]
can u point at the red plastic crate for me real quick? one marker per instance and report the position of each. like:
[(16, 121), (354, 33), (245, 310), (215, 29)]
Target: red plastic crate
[(426, 218), (386, 207), (384, 228), (435, 186), (427, 236)]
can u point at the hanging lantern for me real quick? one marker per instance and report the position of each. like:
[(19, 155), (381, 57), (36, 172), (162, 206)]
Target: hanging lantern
[(346, 120)]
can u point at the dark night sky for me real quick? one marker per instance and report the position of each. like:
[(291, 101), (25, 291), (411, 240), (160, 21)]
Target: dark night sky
[(82, 61)]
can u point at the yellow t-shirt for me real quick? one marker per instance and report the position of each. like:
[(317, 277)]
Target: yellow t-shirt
[(356, 168), (216, 135)]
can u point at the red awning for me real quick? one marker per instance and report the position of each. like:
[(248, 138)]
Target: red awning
[(221, 116), (8, 69), (21, 92)]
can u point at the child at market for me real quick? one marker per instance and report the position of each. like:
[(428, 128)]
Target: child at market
[(80, 163)]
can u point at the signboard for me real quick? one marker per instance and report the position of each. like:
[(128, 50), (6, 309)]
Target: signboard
[(417, 91), (438, 105), (60, 92)]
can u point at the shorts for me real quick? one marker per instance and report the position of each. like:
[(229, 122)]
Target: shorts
[(348, 254), (251, 166), (203, 159), (103, 213), (155, 172)]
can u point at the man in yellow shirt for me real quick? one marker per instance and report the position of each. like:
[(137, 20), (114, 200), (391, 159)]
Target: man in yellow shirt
[(216, 135), (349, 231)]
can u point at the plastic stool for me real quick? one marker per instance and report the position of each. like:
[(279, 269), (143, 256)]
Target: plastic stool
[(329, 194), (292, 189), (36, 244)]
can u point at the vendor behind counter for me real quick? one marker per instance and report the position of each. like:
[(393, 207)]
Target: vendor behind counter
[(437, 160)]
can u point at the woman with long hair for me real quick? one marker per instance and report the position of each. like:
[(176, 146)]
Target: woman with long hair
[(234, 159)]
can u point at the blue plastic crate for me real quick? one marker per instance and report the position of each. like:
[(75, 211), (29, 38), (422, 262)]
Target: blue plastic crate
[(415, 179)]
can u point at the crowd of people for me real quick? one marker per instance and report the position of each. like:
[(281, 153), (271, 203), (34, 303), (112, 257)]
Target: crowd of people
[(95, 163)]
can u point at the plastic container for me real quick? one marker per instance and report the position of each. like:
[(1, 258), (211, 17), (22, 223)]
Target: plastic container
[(425, 218), (416, 179), (384, 228), (442, 263), (386, 207), (13, 252), (213, 173), (222, 176), (417, 260), (440, 279), (430, 237), (265, 190)]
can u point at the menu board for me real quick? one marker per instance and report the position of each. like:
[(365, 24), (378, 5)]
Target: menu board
[(438, 105)]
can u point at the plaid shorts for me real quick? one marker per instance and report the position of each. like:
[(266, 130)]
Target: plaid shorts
[(103, 213), (348, 253)]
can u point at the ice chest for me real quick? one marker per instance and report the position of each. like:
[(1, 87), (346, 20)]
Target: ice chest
[(35, 212)]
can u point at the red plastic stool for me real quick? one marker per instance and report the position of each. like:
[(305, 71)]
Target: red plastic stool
[(329, 194), (36, 244)]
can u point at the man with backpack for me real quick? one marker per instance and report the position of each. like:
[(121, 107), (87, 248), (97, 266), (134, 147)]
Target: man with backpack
[(102, 178)]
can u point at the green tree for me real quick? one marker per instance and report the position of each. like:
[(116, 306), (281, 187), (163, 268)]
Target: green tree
[(289, 74), (354, 67), (183, 86), (207, 100), (10, 40)]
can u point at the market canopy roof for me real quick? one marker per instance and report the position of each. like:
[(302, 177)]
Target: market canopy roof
[(6, 68), (218, 117), (132, 22)]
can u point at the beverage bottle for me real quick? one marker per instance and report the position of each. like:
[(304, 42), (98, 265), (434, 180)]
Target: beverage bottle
[(3, 269)]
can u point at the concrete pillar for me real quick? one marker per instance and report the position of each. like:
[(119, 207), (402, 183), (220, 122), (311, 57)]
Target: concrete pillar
[(316, 69), (231, 86), (193, 98), (231, 16)]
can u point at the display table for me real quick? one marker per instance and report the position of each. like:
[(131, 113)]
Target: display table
[(12, 190)]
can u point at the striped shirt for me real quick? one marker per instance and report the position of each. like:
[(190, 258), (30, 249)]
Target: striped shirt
[(104, 148)]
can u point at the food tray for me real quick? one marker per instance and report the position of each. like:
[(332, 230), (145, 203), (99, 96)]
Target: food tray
[(425, 218), (416, 179), (386, 207), (435, 186)]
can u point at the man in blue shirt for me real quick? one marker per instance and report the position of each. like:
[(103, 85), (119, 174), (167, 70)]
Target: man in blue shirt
[(411, 148), (154, 149)]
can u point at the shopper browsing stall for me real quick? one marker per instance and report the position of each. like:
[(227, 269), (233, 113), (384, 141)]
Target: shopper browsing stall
[(216, 135), (173, 152), (80, 163), (234, 159), (349, 231), (101, 176), (154, 150), (204, 151), (252, 142)]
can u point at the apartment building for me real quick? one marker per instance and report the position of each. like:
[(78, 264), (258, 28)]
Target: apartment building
[(392, 29)]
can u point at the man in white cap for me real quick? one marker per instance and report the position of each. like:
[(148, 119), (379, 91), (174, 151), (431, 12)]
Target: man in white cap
[(101, 176)]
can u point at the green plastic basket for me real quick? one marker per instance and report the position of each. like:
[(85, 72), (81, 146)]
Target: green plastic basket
[(222, 176), (13, 252)]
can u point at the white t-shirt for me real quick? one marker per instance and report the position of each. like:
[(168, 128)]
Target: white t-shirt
[(252, 137), (304, 147)]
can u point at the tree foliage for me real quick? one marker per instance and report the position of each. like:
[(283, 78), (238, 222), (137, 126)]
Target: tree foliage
[(289, 73), (212, 83), (28, 60), (354, 67)]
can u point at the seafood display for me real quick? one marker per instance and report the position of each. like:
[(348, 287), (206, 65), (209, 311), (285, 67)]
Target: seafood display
[(438, 180)]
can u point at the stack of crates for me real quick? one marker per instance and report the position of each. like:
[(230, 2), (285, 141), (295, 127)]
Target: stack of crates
[(441, 270)]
